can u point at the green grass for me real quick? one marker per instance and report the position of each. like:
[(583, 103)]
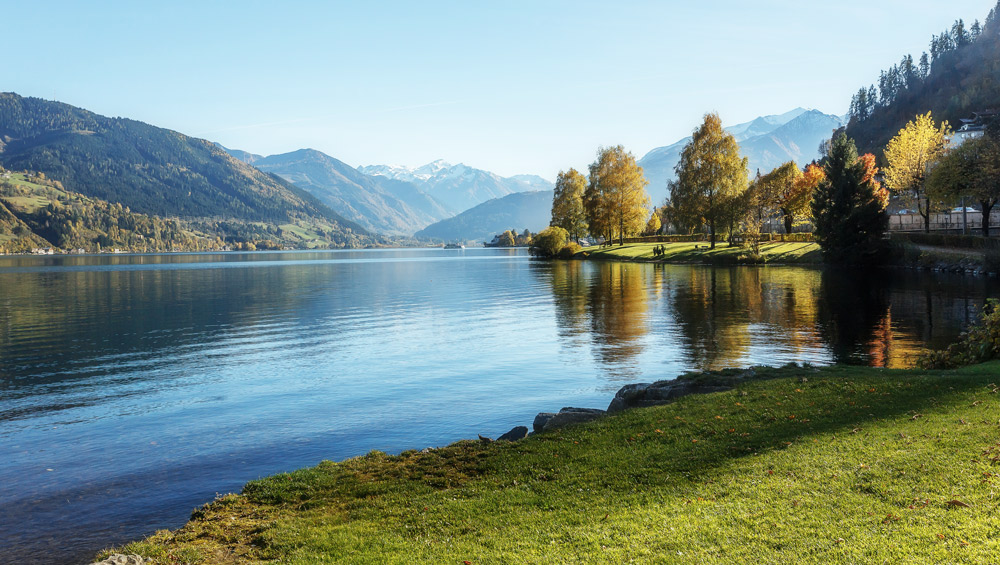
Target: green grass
[(814, 465), (700, 253)]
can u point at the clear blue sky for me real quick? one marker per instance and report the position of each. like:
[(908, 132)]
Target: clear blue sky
[(509, 86)]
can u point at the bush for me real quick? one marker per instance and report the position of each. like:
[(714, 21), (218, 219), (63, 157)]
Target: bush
[(549, 242), (980, 344), (569, 250)]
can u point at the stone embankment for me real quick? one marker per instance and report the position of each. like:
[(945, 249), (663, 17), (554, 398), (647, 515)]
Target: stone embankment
[(637, 395)]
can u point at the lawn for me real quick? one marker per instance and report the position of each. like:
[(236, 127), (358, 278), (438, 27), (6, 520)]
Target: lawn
[(815, 465), (698, 252)]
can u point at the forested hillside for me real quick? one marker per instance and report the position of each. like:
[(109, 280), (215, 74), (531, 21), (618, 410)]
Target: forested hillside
[(960, 75), (154, 171)]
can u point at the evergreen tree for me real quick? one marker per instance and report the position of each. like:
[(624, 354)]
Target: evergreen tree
[(925, 66), (849, 206), (567, 203)]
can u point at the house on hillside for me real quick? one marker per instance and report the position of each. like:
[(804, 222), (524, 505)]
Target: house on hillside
[(973, 127)]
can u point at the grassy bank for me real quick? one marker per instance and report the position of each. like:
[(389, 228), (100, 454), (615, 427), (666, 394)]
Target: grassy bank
[(698, 252), (839, 464)]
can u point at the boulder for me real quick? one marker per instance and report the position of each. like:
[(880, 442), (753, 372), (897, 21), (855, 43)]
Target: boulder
[(520, 432), (570, 415), (540, 420), (639, 395)]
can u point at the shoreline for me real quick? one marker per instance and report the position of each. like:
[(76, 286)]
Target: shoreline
[(746, 423)]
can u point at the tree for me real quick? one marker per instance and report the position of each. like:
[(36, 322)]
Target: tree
[(711, 176), (798, 200), (549, 241), (615, 200), (849, 205), (506, 239), (787, 195), (909, 156), (567, 203), (654, 224), (972, 169)]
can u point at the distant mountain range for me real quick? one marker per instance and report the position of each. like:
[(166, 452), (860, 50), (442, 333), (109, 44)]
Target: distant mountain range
[(161, 172), (378, 203), (517, 211), (767, 142), (389, 199), (459, 187)]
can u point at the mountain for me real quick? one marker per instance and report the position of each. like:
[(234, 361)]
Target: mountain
[(157, 171), (531, 210), (378, 203), (767, 141), (459, 187), (963, 79)]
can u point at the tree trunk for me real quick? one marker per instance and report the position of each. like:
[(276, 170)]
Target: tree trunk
[(926, 213), (711, 234), (788, 220), (621, 231), (987, 206)]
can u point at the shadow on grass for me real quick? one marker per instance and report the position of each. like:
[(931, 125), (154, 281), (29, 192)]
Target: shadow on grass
[(699, 433)]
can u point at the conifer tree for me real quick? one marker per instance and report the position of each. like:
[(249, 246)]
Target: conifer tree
[(848, 206)]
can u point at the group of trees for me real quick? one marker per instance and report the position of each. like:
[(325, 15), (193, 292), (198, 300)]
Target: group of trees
[(611, 202), (956, 78), (712, 189), (908, 75), (923, 168)]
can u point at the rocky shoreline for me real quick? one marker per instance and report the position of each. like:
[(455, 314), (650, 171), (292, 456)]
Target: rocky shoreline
[(636, 395)]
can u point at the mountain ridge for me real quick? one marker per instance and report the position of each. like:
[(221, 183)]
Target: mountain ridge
[(767, 142), (152, 170)]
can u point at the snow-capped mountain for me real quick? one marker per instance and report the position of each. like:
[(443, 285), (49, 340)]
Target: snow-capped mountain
[(459, 186), (767, 142), (377, 203)]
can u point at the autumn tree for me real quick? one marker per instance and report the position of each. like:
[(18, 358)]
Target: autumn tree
[(849, 205), (909, 156), (654, 224), (796, 202), (972, 169), (615, 199), (711, 176), (567, 204)]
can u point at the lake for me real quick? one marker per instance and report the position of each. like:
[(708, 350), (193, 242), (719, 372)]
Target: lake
[(134, 388)]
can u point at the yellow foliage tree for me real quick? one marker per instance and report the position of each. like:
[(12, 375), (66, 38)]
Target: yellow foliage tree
[(615, 200), (567, 203), (711, 178), (909, 157)]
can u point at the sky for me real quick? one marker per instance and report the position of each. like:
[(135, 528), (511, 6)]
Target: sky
[(515, 87)]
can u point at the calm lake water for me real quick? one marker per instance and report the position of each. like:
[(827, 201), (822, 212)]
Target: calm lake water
[(135, 388)]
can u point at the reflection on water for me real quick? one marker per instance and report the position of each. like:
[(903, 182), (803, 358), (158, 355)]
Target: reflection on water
[(133, 388), (715, 317)]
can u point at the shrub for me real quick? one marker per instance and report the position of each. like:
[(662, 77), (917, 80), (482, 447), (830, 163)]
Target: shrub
[(980, 344), (549, 242), (569, 250)]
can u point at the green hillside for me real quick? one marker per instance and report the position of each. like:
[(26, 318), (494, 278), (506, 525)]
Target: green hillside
[(37, 212), (961, 75), (155, 171)]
